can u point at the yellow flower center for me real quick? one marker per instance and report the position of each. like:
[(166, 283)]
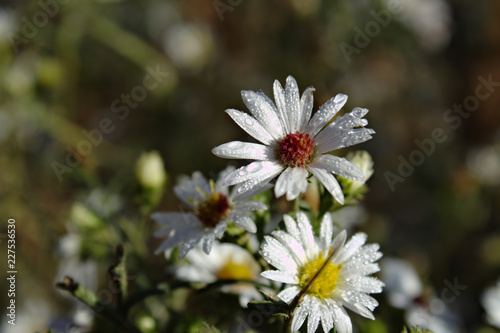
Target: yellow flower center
[(232, 270), (325, 282)]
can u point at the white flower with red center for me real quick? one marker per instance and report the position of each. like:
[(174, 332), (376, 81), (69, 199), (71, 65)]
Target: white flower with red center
[(330, 273), (293, 143), (225, 262), (211, 207)]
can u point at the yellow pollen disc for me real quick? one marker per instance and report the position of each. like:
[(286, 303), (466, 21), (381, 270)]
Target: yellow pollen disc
[(232, 270), (326, 281)]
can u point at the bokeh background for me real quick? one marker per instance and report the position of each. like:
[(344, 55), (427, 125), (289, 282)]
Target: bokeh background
[(66, 66)]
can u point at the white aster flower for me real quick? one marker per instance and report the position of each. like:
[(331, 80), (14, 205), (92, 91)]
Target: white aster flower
[(211, 206), (343, 282), (225, 262), (491, 303), (293, 143)]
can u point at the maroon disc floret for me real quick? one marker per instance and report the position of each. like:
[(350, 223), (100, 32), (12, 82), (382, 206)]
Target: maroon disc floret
[(296, 150), (214, 209)]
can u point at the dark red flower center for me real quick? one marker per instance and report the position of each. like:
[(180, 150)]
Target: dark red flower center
[(296, 150), (213, 209)]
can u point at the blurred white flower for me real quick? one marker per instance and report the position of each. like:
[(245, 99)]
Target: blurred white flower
[(36, 312), (189, 45), (7, 24), (491, 303), (402, 282), (405, 291), (225, 262), (434, 316), (347, 217), (293, 143), (344, 280), (150, 171), (485, 164), (212, 207), (364, 161), (430, 19)]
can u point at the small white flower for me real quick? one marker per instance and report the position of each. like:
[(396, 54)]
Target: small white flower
[(344, 282), (293, 143), (225, 262), (491, 303), (212, 207)]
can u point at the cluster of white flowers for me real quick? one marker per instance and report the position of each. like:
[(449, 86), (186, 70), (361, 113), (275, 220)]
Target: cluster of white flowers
[(323, 275)]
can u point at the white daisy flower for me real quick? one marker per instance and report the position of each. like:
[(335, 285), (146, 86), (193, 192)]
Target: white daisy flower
[(225, 262), (343, 281), (293, 143), (491, 302), (211, 206)]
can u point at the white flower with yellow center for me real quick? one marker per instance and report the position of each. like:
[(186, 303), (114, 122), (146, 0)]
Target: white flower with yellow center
[(211, 206), (225, 262), (329, 285), (293, 143)]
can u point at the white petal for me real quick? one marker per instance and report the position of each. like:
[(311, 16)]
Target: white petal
[(366, 255), (297, 183), (253, 171), (345, 131), (187, 188), (264, 112), (354, 297), (208, 242), (306, 234), (289, 294), (339, 166), (249, 194), (326, 318), (329, 181), (365, 284), (291, 227), (341, 319), (314, 316), (279, 97), (282, 183), (292, 245), (255, 184), (362, 269), (351, 247), (325, 114), (277, 255), (243, 221), (280, 277), (251, 126), (243, 150), (175, 218), (244, 206), (301, 313), (306, 104), (326, 231), (219, 229), (337, 244), (292, 99), (189, 244), (292, 181)]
